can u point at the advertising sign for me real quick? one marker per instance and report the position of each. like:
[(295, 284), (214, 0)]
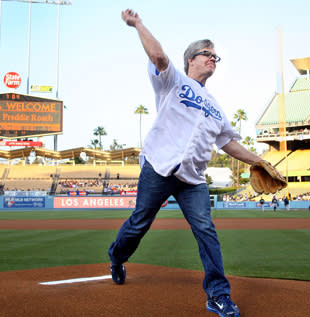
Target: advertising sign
[(23, 115), (95, 202), (37, 88), (21, 143), (12, 80), (234, 204), (266, 204), (77, 193), (24, 202)]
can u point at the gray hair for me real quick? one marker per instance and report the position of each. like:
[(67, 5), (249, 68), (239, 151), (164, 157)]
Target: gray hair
[(193, 48)]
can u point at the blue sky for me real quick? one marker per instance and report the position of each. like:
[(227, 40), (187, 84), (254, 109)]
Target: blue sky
[(103, 75)]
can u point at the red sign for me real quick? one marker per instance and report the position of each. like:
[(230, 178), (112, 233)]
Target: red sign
[(95, 202), (20, 143), (12, 80)]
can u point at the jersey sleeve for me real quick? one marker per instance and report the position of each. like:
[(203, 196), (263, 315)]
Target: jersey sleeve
[(227, 134), (162, 81)]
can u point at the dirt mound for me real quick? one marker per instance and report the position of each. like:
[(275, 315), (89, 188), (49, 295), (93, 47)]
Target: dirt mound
[(149, 291)]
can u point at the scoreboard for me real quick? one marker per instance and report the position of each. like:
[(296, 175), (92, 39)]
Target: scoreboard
[(25, 115)]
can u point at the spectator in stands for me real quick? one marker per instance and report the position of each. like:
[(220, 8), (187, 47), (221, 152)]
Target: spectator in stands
[(262, 204), (274, 203), (304, 196)]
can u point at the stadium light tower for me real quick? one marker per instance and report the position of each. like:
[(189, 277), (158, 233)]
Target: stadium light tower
[(53, 2), (0, 19)]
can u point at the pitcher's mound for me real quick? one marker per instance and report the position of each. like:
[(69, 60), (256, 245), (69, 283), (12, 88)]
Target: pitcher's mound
[(149, 291)]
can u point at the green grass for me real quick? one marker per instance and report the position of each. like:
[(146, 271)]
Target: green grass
[(267, 253), (65, 214), (26, 249), (259, 253), (256, 253)]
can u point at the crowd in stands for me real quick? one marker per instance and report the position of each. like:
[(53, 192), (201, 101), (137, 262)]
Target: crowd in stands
[(239, 197), (15, 189), (80, 184), (305, 196), (249, 197), (289, 131), (119, 189), (95, 186)]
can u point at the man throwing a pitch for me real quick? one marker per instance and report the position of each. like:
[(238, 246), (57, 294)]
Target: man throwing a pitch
[(174, 157)]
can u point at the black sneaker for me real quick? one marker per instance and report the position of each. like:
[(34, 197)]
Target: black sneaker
[(223, 306), (118, 273)]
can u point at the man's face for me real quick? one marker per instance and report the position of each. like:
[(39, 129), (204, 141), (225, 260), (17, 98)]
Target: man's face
[(203, 64)]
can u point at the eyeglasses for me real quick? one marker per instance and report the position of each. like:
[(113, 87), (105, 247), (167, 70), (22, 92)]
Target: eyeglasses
[(208, 54)]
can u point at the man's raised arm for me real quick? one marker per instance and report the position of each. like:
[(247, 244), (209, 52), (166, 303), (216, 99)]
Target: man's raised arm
[(151, 46)]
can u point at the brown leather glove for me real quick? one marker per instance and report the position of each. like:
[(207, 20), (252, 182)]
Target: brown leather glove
[(264, 178)]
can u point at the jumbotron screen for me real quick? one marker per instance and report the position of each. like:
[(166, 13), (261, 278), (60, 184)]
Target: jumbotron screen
[(25, 115)]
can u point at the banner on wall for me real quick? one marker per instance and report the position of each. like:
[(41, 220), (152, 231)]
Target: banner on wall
[(95, 202), (234, 204), (23, 202)]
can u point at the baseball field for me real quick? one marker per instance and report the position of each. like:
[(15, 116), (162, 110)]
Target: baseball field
[(266, 258)]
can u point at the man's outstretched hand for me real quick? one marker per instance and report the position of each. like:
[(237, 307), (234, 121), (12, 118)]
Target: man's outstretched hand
[(130, 17)]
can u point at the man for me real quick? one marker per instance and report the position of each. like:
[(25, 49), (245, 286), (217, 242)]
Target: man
[(262, 204), (174, 157), (274, 203), (286, 203)]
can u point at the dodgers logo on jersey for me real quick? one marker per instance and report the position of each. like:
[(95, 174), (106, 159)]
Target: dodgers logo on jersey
[(191, 100)]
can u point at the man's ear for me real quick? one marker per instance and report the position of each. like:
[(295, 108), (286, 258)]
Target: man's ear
[(190, 60)]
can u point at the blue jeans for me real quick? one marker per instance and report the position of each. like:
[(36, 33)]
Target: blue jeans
[(194, 201)]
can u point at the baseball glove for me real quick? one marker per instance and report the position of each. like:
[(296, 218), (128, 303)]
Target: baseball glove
[(264, 178)]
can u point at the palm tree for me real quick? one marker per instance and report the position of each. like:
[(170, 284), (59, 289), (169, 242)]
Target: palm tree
[(116, 146), (141, 110), (248, 141), (209, 179), (239, 116), (253, 150), (100, 131), (234, 124), (94, 143), (222, 160)]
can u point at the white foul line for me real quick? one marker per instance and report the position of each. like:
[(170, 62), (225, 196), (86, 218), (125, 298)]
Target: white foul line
[(78, 280)]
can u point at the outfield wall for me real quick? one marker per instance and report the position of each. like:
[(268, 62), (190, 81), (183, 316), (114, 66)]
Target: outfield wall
[(294, 204), (33, 201)]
